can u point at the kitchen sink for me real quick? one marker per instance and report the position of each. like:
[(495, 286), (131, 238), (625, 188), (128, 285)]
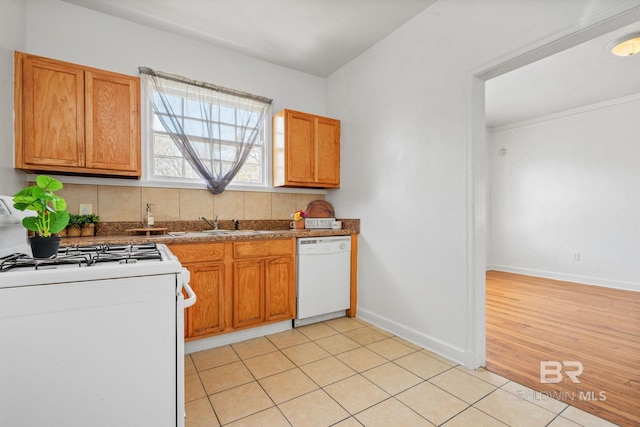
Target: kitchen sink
[(249, 232), (197, 233), (232, 232), (217, 233), (235, 231)]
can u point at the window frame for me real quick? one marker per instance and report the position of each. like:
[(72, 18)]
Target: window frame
[(148, 156)]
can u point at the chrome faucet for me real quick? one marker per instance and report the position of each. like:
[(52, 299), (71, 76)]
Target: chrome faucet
[(213, 224)]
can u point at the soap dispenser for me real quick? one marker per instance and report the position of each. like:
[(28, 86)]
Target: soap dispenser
[(148, 219)]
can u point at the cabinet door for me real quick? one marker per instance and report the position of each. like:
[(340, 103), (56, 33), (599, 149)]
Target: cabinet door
[(328, 152), (112, 118), (300, 147), (248, 292), (52, 114), (280, 289), (306, 150), (206, 316)]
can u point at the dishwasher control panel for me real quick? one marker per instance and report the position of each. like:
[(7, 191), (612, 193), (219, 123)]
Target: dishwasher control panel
[(318, 245)]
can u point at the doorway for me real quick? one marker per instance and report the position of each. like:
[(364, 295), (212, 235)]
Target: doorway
[(478, 180)]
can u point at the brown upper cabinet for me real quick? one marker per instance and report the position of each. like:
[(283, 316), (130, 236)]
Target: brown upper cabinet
[(306, 150), (73, 119)]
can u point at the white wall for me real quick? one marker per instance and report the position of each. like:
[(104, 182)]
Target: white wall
[(63, 31), (569, 183), (67, 32), (12, 37), (405, 107)]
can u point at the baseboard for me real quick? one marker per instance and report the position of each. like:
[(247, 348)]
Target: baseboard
[(585, 280), (233, 337), (416, 337)]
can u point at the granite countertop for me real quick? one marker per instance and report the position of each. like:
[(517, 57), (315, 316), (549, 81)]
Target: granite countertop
[(170, 238), (177, 233)]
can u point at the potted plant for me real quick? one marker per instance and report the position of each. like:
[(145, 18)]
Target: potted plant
[(73, 228), (298, 220), (89, 222), (51, 215)]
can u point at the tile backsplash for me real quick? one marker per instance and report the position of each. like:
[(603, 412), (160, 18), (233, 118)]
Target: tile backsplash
[(121, 203)]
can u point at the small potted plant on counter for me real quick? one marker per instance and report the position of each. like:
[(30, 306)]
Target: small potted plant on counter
[(73, 229), (51, 215), (89, 222), (298, 220)]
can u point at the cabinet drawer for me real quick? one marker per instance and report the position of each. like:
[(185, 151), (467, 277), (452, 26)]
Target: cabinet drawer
[(263, 248), (198, 252)]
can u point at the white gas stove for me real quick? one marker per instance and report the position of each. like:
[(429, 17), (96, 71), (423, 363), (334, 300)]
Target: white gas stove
[(93, 335)]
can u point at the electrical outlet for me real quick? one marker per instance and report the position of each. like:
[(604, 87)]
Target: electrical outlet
[(576, 256), (86, 209)]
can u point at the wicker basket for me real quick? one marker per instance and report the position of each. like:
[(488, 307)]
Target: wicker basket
[(88, 230), (73, 231)]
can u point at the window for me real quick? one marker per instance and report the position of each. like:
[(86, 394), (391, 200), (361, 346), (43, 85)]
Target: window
[(216, 125)]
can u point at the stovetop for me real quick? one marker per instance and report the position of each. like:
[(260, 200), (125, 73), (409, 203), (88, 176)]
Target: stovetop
[(83, 256), (88, 264)]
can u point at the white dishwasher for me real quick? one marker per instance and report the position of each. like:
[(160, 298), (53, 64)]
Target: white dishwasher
[(323, 278)]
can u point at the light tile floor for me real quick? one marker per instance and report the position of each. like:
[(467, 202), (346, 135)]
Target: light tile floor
[(347, 373)]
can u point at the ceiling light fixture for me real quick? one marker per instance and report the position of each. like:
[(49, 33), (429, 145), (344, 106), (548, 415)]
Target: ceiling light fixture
[(627, 46)]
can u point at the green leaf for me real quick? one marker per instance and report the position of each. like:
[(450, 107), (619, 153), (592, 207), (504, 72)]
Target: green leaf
[(38, 192), (27, 191), (22, 203), (30, 223), (59, 204), (59, 221), (48, 183)]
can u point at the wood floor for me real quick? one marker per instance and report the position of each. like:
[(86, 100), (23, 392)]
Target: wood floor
[(531, 319)]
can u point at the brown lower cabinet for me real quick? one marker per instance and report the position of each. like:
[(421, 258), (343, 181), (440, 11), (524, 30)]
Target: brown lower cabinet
[(238, 284), (280, 296), (248, 293), (207, 317)]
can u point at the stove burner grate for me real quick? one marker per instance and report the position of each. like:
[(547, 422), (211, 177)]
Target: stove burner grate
[(84, 256)]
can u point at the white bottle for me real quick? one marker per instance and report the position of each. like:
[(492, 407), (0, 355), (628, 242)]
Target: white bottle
[(148, 220)]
